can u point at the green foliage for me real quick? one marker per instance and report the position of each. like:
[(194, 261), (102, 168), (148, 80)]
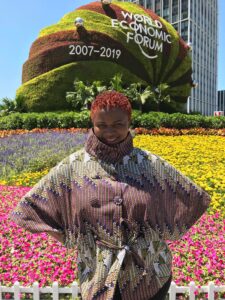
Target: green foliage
[(12, 121), (142, 97), (161, 93), (9, 106), (84, 94), (138, 94), (82, 120), (149, 121), (20, 104), (212, 122), (7, 103), (180, 121), (116, 83), (47, 92)]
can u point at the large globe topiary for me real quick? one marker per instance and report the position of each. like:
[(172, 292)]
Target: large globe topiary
[(119, 38)]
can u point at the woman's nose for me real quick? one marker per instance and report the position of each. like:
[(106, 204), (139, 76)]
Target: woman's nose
[(109, 129)]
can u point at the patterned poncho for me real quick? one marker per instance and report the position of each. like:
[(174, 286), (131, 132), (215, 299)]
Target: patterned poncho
[(117, 205)]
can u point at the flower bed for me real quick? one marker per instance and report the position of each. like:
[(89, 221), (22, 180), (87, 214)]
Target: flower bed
[(201, 158), (34, 153), (135, 131), (25, 257)]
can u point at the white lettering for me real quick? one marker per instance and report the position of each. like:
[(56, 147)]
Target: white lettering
[(159, 47), (134, 26), (130, 36), (127, 15), (123, 24), (159, 34), (145, 43), (138, 18), (138, 38), (158, 23), (148, 21), (114, 23), (144, 31), (151, 31), (168, 38), (143, 28)]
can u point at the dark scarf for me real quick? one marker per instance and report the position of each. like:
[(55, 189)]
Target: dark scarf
[(110, 154)]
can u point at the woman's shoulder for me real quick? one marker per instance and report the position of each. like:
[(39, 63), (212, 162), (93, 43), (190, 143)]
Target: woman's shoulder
[(138, 152), (69, 160), (75, 156)]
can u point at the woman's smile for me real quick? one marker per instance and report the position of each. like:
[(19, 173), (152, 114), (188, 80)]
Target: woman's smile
[(110, 140)]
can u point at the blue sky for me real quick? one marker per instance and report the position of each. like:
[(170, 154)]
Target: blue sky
[(21, 21)]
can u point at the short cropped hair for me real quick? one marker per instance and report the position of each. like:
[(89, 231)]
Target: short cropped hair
[(111, 99)]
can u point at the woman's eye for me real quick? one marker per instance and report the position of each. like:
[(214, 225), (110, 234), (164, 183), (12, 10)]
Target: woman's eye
[(104, 126)]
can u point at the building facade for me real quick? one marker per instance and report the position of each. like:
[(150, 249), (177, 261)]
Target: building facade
[(221, 101), (197, 23)]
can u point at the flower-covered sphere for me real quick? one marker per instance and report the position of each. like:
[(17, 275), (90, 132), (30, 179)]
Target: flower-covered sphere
[(118, 38)]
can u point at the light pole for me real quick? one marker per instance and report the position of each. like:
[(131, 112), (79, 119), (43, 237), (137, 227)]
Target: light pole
[(188, 105)]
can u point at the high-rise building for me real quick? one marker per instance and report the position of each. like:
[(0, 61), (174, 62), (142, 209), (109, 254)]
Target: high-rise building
[(221, 101), (196, 22)]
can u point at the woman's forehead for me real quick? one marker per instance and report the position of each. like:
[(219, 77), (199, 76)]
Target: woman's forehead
[(112, 113)]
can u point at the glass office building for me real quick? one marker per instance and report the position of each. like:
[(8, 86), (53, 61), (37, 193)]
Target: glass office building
[(196, 22), (221, 101)]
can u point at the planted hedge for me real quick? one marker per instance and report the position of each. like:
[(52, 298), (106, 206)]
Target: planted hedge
[(82, 120)]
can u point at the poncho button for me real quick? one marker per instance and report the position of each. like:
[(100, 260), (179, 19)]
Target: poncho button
[(117, 200)]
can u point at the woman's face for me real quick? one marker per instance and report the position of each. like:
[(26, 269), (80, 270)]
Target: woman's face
[(111, 126)]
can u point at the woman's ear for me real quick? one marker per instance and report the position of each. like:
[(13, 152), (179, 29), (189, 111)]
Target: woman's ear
[(129, 124)]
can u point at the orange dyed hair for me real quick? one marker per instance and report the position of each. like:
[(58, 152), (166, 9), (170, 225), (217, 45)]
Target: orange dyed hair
[(111, 99)]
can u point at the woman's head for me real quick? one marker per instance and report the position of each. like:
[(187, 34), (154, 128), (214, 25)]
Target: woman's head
[(111, 116)]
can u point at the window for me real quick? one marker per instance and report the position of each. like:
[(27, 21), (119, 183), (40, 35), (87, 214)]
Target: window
[(184, 9), (157, 7), (166, 9), (175, 11), (184, 30), (176, 26)]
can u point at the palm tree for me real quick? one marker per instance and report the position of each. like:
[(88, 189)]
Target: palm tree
[(82, 96), (8, 104), (160, 94), (116, 83), (137, 94), (98, 87)]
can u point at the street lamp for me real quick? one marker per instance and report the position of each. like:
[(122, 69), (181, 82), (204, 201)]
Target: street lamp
[(194, 84), (106, 2), (189, 46), (79, 22), (188, 105)]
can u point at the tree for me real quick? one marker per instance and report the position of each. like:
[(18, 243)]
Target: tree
[(84, 94), (139, 95), (81, 97), (8, 104), (116, 83), (160, 94)]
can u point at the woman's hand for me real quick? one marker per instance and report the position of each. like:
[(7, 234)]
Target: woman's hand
[(57, 235)]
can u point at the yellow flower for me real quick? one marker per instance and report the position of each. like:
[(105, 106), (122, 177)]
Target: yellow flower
[(199, 157)]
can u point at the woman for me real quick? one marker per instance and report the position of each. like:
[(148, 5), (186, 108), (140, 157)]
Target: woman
[(118, 204)]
